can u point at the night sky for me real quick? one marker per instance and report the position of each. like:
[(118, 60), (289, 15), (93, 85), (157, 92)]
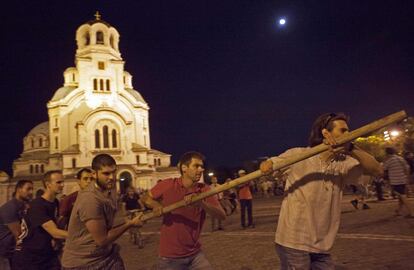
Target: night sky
[(221, 77)]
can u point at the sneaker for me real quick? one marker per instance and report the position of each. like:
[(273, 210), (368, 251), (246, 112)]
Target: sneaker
[(355, 203), (365, 206)]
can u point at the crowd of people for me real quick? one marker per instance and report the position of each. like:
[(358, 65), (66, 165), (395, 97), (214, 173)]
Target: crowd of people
[(88, 222)]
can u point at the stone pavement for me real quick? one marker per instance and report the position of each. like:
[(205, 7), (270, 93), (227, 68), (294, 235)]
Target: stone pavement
[(367, 239)]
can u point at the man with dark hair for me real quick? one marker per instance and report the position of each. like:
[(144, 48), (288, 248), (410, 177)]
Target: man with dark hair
[(397, 170), (37, 251), (311, 209), (179, 241), (11, 214), (131, 200), (85, 177), (91, 232), (246, 203), (39, 193)]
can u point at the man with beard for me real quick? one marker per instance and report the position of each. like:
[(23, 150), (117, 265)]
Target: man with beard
[(311, 209), (91, 232), (179, 240), (37, 251), (11, 214)]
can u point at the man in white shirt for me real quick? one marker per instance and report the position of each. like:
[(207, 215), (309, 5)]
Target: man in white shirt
[(310, 212)]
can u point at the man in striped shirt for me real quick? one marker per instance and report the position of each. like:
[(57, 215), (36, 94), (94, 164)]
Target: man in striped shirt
[(398, 169)]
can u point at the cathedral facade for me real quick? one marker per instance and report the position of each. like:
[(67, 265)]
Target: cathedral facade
[(97, 110)]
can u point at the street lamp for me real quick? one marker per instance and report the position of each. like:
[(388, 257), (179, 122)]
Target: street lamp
[(210, 174), (394, 133)]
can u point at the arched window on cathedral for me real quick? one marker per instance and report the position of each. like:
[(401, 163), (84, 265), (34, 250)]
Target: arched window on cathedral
[(114, 142), (73, 162), (87, 39), (108, 85), (31, 169), (159, 162), (105, 137), (95, 84), (111, 41), (42, 168), (101, 84), (97, 141), (37, 168), (99, 37), (40, 142), (32, 143), (56, 142), (73, 77)]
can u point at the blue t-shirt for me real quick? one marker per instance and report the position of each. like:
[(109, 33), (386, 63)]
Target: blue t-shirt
[(10, 212)]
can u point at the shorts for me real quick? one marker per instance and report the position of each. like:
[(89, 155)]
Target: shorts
[(399, 189)]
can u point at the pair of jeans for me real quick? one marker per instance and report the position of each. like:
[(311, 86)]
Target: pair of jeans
[(246, 205), (197, 261), (294, 259)]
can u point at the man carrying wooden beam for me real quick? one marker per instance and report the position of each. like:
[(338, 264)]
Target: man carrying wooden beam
[(310, 212), (179, 240)]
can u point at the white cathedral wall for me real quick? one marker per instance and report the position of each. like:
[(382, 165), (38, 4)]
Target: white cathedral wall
[(6, 192), (165, 161)]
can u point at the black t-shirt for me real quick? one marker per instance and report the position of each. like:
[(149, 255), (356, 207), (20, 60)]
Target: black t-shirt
[(131, 203), (40, 212), (10, 212)]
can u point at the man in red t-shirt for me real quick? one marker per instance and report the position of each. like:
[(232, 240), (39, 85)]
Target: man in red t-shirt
[(245, 198), (180, 232), (85, 177)]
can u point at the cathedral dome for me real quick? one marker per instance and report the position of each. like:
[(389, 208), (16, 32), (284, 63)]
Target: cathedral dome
[(97, 35), (71, 76), (42, 128), (3, 176), (37, 138), (62, 92)]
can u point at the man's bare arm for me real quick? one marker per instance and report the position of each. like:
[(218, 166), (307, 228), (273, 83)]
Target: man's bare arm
[(213, 211), (102, 237), (368, 163), (15, 228), (149, 201), (54, 231)]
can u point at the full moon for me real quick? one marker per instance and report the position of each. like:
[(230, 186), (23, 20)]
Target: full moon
[(282, 21)]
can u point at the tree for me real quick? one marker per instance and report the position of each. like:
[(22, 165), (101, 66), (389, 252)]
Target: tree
[(376, 143)]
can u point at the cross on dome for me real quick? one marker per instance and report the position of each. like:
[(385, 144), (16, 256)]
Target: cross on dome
[(97, 16)]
